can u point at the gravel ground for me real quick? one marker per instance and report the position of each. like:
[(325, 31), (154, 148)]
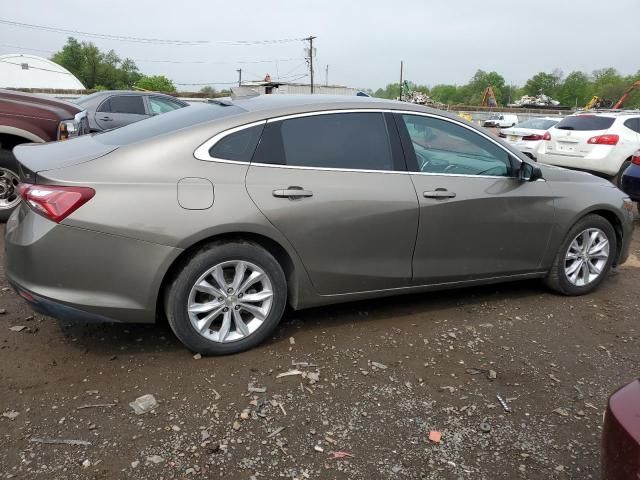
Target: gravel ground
[(368, 382)]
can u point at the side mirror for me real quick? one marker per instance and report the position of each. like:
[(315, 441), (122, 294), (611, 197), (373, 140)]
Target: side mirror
[(529, 173)]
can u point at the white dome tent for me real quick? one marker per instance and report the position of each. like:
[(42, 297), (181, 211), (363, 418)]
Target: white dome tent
[(30, 71)]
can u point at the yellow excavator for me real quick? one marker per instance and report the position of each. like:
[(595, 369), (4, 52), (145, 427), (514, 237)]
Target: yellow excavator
[(489, 98)]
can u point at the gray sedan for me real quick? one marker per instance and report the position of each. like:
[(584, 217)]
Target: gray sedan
[(218, 216), (110, 109)]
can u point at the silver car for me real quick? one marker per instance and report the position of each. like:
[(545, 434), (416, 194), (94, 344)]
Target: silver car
[(218, 216), (110, 109)]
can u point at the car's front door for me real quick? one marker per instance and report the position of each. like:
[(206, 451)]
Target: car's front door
[(335, 185), (477, 220), (120, 110)]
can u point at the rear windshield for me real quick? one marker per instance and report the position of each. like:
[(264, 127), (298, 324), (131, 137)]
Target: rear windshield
[(585, 122), (538, 124), (166, 123)]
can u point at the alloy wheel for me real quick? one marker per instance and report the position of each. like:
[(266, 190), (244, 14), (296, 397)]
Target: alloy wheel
[(586, 257), (9, 197), (230, 301)]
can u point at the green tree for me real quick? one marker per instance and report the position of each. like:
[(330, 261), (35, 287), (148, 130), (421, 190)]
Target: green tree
[(576, 89), (546, 83), (156, 83), (96, 68), (209, 91), (391, 91), (479, 83)]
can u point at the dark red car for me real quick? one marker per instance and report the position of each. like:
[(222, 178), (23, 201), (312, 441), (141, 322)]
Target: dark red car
[(25, 117), (621, 435)]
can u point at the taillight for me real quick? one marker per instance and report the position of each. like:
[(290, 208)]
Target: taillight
[(534, 137), (546, 136), (604, 140), (635, 159), (55, 202)]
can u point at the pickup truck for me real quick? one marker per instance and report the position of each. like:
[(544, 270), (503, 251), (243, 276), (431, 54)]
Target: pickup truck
[(25, 117)]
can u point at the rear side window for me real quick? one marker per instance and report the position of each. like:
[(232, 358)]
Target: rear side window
[(341, 140), (238, 146), (127, 104), (633, 124), (585, 123)]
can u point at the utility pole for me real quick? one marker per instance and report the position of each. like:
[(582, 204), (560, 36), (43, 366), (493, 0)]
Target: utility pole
[(310, 40), (326, 76), (239, 77), (401, 80)]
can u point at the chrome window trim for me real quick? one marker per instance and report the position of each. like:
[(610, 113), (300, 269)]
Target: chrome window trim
[(202, 152)]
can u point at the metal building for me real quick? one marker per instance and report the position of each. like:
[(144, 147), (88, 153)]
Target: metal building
[(30, 71)]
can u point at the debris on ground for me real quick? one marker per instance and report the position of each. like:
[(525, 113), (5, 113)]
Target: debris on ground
[(59, 441), (504, 404), (435, 436), (17, 328), (290, 373), (341, 454), (11, 414), (561, 411), (251, 388), (144, 404)]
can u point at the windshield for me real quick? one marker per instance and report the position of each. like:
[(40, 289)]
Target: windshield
[(585, 123), (538, 124), (166, 123)]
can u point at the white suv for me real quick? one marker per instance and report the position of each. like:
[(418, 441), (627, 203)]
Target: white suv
[(598, 142)]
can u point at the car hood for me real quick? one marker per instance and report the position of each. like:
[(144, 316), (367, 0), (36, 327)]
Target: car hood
[(36, 106), (559, 174), (49, 156)]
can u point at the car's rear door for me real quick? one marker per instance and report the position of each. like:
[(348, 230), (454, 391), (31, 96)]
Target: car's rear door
[(120, 110), (477, 220), (335, 184)]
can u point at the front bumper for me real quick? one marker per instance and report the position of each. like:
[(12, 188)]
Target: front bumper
[(631, 182), (74, 273)]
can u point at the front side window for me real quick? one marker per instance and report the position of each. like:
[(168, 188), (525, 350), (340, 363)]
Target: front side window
[(443, 147), (127, 104), (238, 146), (159, 105), (341, 140)]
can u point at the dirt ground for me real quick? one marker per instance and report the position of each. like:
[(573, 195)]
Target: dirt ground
[(376, 378)]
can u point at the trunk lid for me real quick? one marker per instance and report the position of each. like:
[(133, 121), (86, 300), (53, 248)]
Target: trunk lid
[(33, 158)]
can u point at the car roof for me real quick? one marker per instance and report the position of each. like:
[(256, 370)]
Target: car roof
[(279, 104), (608, 113)]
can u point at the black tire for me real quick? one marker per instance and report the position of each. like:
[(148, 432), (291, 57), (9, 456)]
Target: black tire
[(617, 180), (177, 295), (557, 278), (8, 162)]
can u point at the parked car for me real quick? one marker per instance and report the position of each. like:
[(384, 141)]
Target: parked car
[(598, 142), (621, 435), (219, 215), (25, 117), (501, 120), (526, 136), (116, 108), (631, 178)]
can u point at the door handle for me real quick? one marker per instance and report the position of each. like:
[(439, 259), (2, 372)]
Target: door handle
[(106, 119), (292, 193), (439, 193)]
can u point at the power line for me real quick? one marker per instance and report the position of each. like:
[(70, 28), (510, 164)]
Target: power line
[(156, 41), (144, 60), (35, 68), (230, 83)]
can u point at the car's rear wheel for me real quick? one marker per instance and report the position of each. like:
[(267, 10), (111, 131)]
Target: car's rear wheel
[(9, 179), (585, 257), (226, 298)]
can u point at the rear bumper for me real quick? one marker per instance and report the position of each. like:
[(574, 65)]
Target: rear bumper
[(600, 160), (73, 273)]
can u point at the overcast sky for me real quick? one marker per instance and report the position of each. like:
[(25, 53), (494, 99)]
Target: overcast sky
[(440, 41)]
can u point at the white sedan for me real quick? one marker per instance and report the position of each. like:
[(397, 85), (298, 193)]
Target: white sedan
[(527, 135)]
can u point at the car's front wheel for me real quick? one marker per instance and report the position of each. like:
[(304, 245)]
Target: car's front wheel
[(585, 257), (226, 298)]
